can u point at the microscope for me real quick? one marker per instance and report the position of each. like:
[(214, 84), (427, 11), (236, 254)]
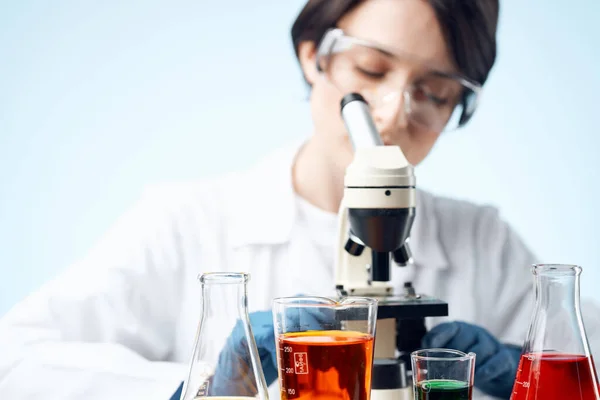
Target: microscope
[(374, 222)]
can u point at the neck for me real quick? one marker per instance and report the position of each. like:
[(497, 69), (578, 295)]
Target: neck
[(317, 178)]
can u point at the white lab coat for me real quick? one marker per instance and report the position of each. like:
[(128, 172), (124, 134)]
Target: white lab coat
[(120, 324)]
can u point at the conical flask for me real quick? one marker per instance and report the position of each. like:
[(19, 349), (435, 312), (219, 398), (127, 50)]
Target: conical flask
[(225, 360), (556, 362)]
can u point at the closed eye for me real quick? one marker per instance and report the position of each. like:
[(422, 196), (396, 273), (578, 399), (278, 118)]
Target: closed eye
[(371, 73), (436, 100), (421, 93)]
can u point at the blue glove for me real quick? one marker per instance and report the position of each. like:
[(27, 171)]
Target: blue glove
[(264, 335), (496, 363), (177, 394), (234, 362), (234, 366)]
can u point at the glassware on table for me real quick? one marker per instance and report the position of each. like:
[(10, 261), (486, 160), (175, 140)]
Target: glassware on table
[(325, 347), (556, 362), (442, 374), (225, 361)]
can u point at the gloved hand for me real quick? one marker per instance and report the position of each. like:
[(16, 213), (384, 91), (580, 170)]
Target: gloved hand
[(234, 361), (231, 377), (496, 363), (177, 394)]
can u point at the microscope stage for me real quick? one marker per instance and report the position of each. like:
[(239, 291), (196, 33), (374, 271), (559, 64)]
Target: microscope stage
[(410, 307)]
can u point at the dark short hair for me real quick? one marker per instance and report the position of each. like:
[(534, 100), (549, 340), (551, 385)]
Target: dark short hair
[(469, 27)]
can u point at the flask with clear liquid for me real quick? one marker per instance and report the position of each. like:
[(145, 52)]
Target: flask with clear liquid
[(225, 361), (556, 362)]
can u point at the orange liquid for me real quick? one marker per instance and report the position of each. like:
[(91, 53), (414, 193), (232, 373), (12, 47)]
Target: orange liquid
[(325, 365)]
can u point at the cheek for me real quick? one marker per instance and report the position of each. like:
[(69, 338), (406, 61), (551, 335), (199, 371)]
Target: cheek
[(325, 107), (420, 145)]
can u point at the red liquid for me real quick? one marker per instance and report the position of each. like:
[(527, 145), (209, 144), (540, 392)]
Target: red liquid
[(325, 365), (555, 376)]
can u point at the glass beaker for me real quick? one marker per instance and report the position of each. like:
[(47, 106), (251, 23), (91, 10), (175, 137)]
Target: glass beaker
[(225, 361), (442, 374), (556, 362), (325, 347)]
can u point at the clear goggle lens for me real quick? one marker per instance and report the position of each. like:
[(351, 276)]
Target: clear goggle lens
[(435, 101)]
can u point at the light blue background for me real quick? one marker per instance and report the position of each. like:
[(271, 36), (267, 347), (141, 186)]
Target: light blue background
[(99, 98)]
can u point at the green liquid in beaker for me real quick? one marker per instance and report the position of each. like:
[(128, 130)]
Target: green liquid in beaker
[(443, 389)]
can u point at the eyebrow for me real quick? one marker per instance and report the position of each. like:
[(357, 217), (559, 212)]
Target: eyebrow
[(382, 50)]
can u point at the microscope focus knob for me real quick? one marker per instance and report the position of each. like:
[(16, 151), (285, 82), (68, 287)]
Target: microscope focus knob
[(402, 255), (354, 248)]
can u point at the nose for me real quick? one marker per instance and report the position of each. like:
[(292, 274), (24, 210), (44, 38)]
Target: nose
[(390, 113)]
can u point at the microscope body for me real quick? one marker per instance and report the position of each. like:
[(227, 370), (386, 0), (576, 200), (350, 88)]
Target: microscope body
[(375, 218)]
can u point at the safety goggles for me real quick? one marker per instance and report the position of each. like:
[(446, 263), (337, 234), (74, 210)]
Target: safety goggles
[(435, 101)]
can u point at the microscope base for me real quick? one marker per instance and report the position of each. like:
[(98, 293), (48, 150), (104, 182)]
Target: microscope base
[(392, 394)]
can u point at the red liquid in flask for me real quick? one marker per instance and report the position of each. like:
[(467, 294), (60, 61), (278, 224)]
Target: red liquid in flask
[(555, 376)]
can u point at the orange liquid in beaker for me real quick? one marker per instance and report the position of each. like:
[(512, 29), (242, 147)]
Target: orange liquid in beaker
[(325, 365), (555, 376)]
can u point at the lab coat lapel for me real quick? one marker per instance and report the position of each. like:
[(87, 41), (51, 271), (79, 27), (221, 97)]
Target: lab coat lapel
[(261, 216), (262, 207)]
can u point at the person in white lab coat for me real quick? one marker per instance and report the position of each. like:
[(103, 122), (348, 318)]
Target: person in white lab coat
[(121, 322)]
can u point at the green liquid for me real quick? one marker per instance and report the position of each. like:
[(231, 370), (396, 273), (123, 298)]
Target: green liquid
[(442, 389)]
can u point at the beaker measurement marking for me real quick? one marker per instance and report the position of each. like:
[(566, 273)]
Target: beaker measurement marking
[(524, 384), (301, 363), (202, 390), (287, 349), (291, 391)]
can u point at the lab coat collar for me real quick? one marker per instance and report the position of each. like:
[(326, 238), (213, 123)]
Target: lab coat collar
[(269, 211)]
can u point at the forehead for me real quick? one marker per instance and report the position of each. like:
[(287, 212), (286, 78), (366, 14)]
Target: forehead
[(406, 26)]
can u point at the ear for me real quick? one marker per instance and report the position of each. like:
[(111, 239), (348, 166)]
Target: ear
[(307, 54)]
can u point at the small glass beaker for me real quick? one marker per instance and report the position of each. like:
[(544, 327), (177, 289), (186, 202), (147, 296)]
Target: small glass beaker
[(225, 361), (442, 374), (325, 347), (556, 362)]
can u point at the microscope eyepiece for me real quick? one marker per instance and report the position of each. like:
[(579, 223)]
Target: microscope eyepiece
[(359, 123), (350, 98)]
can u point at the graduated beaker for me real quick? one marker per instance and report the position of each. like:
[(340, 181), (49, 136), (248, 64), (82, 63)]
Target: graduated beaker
[(556, 362), (325, 347), (442, 374), (225, 361)]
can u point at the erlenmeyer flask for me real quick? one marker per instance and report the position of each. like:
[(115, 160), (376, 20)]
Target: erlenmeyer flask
[(556, 362), (225, 360)]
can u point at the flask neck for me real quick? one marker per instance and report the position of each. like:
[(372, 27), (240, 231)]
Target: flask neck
[(226, 293), (556, 292)]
